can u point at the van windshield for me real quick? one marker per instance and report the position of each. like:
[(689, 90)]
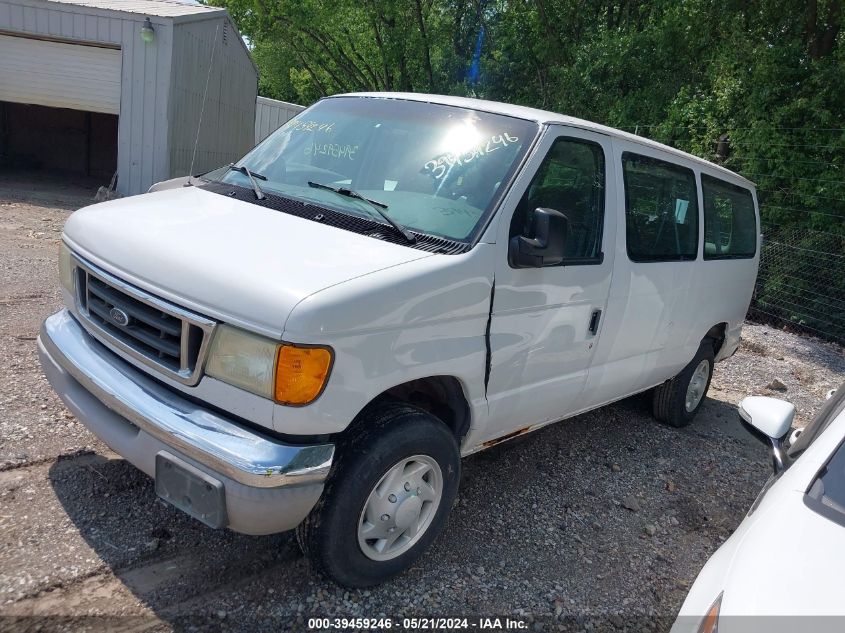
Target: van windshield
[(439, 170)]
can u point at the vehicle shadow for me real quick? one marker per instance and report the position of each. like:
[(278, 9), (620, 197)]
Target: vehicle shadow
[(546, 514), (166, 560)]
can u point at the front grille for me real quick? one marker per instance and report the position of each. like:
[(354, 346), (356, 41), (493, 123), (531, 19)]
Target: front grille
[(150, 330)]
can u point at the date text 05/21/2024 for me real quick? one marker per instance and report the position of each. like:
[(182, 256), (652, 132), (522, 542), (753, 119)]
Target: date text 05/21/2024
[(433, 623)]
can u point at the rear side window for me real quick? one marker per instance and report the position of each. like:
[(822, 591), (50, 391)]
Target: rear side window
[(661, 210), (730, 225)]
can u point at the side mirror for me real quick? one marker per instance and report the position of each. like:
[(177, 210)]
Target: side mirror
[(769, 420), (546, 247)]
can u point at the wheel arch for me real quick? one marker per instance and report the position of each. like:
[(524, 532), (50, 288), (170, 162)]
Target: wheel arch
[(442, 396), (717, 334)]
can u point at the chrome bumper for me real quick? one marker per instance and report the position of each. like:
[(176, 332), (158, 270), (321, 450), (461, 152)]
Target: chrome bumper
[(211, 440)]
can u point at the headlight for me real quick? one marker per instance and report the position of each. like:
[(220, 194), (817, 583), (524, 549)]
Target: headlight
[(710, 622), (289, 374), (65, 268)]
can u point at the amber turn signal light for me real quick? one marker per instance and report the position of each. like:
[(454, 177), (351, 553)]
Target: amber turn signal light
[(301, 373), (710, 622)]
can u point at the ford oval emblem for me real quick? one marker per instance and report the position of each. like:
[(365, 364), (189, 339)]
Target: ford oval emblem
[(119, 316)]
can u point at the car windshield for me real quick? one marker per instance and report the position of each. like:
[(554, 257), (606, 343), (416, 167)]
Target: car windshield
[(827, 492), (435, 169), (834, 406)]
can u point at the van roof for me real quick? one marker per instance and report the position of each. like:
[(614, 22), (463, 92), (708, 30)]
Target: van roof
[(542, 117)]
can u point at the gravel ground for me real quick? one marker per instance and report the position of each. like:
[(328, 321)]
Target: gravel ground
[(600, 522)]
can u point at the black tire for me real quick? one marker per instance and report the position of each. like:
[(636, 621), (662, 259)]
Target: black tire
[(387, 433), (669, 400)]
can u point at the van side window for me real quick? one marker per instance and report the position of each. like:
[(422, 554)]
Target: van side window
[(570, 180), (661, 210), (730, 224)]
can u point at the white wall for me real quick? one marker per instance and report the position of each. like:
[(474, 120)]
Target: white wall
[(226, 131), (270, 115)]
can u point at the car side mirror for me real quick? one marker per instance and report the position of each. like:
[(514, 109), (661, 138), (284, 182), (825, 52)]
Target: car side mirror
[(546, 247), (769, 420)]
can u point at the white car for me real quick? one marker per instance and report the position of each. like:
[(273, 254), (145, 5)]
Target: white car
[(786, 558), (313, 337)]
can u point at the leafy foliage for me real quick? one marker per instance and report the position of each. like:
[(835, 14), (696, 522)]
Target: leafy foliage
[(758, 85)]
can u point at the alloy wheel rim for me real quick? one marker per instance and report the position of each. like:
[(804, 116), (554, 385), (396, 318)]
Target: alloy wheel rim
[(400, 508), (697, 385)]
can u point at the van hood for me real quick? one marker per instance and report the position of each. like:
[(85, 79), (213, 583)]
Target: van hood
[(230, 260)]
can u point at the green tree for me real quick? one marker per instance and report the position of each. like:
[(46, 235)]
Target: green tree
[(758, 85), (311, 48)]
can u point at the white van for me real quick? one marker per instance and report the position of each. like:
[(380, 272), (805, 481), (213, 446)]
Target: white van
[(312, 338)]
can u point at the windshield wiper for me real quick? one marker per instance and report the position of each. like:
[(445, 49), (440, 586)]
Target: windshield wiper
[(378, 206), (252, 176)]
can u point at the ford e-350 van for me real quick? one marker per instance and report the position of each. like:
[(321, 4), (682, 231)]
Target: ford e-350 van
[(313, 337)]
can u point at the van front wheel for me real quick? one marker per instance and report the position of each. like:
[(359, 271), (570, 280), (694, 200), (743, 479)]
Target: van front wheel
[(677, 401), (386, 499)]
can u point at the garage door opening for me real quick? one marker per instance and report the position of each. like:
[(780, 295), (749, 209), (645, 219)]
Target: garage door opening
[(59, 106), (73, 142)]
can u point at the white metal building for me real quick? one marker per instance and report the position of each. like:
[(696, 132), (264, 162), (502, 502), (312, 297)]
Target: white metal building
[(86, 87), (271, 114)]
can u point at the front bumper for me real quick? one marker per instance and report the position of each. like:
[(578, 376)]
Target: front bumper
[(269, 486)]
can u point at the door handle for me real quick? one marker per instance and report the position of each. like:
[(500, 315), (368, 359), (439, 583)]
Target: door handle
[(594, 321)]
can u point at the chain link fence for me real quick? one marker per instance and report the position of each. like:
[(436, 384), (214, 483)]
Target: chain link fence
[(801, 280)]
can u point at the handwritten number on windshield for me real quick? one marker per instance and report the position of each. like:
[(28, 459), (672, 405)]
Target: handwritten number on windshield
[(439, 166), (297, 125), (335, 150)]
